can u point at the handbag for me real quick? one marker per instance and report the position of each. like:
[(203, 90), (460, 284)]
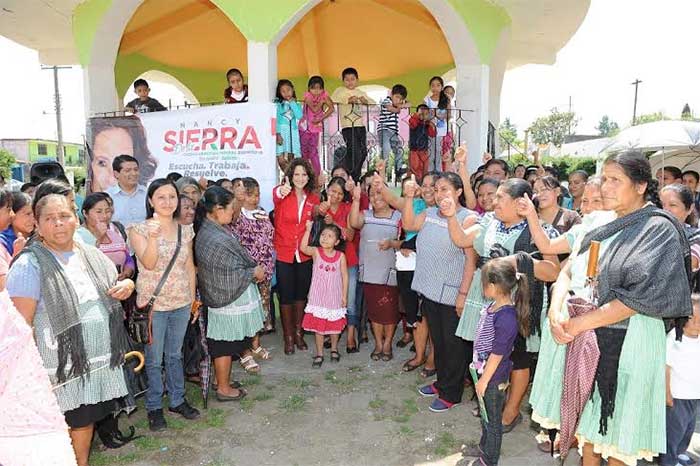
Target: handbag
[(140, 319)]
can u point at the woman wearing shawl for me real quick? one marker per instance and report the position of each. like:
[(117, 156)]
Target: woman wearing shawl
[(227, 283), (545, 396), (504, 233), (70, 294), (644, 259)]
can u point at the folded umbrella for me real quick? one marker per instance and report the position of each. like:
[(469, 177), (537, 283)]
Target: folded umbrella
[(582, 357)]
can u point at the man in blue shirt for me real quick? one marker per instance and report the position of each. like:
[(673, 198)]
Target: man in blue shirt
[(129, 197)]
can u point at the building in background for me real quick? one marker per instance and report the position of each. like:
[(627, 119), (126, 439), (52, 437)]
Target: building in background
[(28, 151)]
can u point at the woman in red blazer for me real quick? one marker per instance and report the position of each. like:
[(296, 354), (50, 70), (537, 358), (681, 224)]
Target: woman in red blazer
[(295, 201)]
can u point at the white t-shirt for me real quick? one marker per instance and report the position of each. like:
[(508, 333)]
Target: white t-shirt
[(684, 359)]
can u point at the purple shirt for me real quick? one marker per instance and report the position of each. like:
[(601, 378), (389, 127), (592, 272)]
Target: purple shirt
[(495, 334)]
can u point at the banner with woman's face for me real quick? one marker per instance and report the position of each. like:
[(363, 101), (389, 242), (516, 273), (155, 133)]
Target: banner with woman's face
[(213, 142), (109, 137)]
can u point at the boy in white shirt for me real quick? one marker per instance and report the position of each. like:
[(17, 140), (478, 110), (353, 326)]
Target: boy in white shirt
[(682, 389)]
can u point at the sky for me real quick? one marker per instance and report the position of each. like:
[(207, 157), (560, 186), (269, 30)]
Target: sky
[(618, 42)]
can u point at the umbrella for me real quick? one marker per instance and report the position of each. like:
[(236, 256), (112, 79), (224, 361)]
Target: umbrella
[(686, 158), (582, 356), (666, 134)]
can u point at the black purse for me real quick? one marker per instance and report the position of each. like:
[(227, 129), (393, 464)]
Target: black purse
[(140, 318)]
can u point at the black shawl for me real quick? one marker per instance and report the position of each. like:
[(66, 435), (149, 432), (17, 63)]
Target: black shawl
[(224, 267)]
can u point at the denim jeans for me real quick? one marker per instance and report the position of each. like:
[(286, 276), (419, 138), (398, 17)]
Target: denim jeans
[(353, 311), (492, 432), (168, 330), (390, 141), (680, 425)]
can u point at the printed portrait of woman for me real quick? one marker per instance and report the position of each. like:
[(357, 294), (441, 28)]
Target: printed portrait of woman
[(112, 136)]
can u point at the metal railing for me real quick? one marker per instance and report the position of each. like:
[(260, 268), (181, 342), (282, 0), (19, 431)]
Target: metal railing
[(333, 147)]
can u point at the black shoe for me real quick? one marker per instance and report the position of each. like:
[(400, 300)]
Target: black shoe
[(156, 420), (185, 410)]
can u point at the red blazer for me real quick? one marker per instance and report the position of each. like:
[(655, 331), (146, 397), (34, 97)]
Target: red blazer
[(289, 225)]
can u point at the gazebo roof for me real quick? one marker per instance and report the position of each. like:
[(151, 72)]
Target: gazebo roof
[(539, 28)]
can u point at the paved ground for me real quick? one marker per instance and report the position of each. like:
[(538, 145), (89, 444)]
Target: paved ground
[(357, 412)]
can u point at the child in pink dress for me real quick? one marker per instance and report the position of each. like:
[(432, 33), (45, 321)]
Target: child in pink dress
[(328, 296), (317, 107)]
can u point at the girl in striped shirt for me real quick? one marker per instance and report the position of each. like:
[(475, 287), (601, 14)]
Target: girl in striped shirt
[(328, 296)]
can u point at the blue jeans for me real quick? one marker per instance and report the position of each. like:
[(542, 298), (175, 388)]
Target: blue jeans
[(390, 141), (680, 425), (492, 432), (353, 314), (168, 329)]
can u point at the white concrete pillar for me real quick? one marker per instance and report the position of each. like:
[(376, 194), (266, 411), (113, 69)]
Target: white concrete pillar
[(473, 94), (262, 71), (99, 89)]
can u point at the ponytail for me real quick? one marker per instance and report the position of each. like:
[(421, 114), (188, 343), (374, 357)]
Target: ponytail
[(522, 303), (652, 193)]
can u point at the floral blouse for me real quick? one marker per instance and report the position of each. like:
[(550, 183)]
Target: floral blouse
[(255, 231), (176, 291)]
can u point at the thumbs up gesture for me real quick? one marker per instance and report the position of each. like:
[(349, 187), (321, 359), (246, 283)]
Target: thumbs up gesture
[(286, 188), (461, 154), (410, 187), (448, 207)]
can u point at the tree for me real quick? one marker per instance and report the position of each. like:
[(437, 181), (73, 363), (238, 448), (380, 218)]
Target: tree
[(7, 161), (606, 127), (686, 113), (651, 117), (553, 128), (508, 134)]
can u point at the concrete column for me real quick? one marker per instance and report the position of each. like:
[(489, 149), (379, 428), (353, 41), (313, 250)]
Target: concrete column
[(99, 89), (473, 94), (262, 71)]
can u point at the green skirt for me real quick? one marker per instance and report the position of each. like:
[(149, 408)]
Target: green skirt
[(545, 397), (637, 429), (238, 320), (473, 305)]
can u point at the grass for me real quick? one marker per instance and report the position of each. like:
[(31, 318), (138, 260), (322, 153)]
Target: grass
[(263, 396), (445, 444), (251, 380), (354, 369), (406, 430), (293, 403), (215, 417), (410, 406), (176, 423), (330, 377), (148, 443), (377, 403), (298, 383), (98, 458), (247, 403)]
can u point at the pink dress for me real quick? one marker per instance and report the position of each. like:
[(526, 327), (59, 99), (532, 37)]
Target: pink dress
[(32, 428), (325, 313)]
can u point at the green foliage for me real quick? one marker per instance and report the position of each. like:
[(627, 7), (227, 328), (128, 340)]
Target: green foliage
[(651, 117), (508, 135), (293, 403), (686, 113), (554, 127), (7, 161), (606, 127)]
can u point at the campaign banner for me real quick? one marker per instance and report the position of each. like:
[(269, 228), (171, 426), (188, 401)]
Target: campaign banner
[(221, 141)]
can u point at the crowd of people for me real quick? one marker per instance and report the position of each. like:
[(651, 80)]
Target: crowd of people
[(499, 278)]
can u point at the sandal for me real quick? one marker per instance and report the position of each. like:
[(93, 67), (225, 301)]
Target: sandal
[(376, 355), (408, 367), (386, 357), (403, 343), (262, 353), (427, 373), (317, 362), (248, 363), (335, 356)]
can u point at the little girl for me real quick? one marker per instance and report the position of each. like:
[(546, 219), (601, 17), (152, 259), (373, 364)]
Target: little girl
[(317, 107), (328, 295), (495, 336), (439, 104), (255, 231), (289, 112), (237, 90)]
